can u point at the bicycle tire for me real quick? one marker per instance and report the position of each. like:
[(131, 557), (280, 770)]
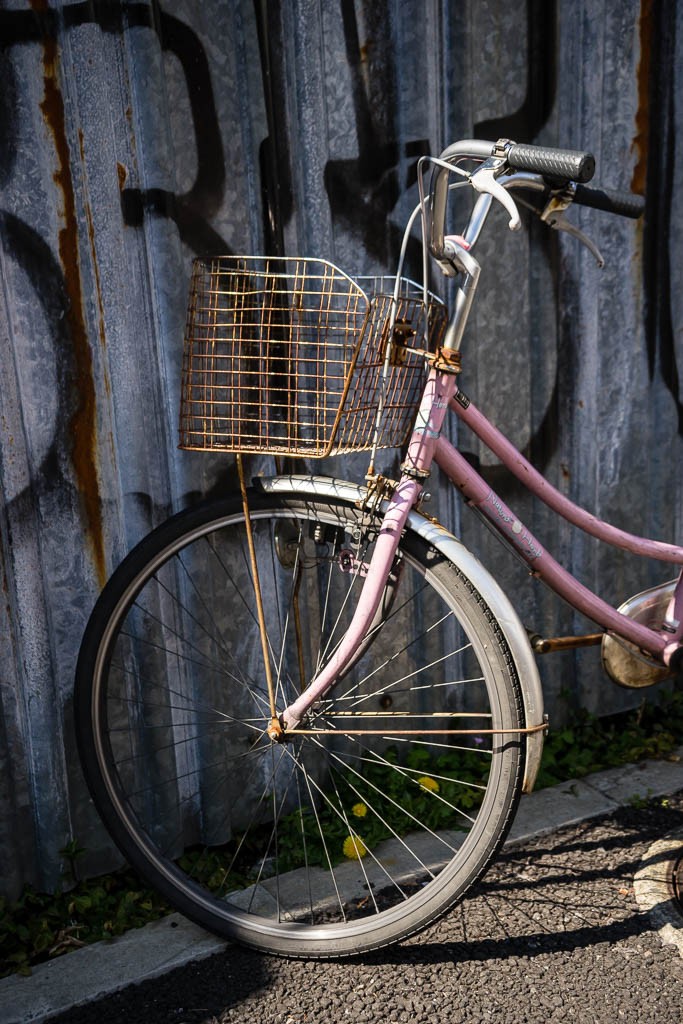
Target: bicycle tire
[(331, 844)]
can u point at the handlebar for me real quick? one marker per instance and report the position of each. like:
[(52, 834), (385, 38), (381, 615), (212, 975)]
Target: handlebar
[(626, 204), (565, 164), (552, 169)]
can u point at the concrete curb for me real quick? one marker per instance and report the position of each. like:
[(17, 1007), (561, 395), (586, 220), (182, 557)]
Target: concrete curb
[(106, 967), (582, 799)]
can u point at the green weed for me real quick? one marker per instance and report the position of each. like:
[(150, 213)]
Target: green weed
[(590, 744), (39, 926)]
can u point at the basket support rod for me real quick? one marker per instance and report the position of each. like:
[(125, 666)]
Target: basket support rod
[(258, 596)]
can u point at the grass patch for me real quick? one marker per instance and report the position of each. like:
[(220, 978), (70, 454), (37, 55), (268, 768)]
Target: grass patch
[(590, 744), (39, 926)]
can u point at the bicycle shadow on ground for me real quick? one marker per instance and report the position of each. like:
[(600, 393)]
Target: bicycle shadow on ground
[(559, 894)]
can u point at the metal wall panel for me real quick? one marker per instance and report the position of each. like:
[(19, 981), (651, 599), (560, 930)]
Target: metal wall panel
[(138, 134)]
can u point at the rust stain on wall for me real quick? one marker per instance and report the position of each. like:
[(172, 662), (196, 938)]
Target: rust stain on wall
[(93, 253), (83, 423), (640, 139)]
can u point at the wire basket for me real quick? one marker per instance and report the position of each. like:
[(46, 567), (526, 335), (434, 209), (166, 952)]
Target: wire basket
[(286, 356)]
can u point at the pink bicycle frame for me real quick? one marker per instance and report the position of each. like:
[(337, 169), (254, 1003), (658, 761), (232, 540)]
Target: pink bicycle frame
[(427, 446), (478, 494)]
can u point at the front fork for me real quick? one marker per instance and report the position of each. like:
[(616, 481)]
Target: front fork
[(439, 390)]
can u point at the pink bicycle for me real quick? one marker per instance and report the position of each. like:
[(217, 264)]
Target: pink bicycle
[(307, 713)]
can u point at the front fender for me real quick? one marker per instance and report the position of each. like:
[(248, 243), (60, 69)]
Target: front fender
[(471, 567)]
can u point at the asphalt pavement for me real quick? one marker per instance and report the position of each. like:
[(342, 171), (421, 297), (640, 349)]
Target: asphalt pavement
[(575, 921)]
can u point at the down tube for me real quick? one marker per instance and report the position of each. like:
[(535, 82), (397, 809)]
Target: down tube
[(505, 522)]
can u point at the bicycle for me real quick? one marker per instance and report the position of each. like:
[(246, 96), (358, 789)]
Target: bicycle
[(306, 713)]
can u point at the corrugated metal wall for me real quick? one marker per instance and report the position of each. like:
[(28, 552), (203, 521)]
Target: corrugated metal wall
[(135, 135)]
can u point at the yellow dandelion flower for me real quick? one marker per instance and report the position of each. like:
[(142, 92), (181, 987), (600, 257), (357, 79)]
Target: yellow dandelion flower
[(359, 810), (428, 783), (354, 847)]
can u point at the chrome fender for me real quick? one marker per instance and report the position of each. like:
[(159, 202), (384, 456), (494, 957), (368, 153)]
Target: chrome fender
[(471, 567)]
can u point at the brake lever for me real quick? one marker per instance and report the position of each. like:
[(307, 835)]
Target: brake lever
[(554, 216), (484, 180)]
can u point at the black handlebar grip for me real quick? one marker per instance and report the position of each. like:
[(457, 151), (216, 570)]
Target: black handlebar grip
[(626, 204), (565, 164)]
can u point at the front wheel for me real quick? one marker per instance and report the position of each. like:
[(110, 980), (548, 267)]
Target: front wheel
[(364, 828)]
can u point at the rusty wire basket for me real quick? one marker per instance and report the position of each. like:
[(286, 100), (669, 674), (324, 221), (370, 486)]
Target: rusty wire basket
[(286, 356)]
